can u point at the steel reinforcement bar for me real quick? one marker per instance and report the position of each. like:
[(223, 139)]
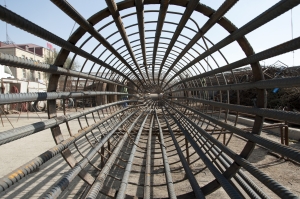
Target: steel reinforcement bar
[(265, 179), (290, 116), (99, 181), (278, 148), (11, 60), (193, 181), (57, 189), (17, 133), (171, 190), (262, 84), (22, 23), (273, 12), (147, 185), (124, 183), (15, 176), (11, 98), (230, 190)]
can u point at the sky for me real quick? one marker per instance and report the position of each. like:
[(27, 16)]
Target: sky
[(47, 15)]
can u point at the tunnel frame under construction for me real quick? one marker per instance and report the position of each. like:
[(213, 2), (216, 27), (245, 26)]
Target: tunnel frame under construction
[(191, 116)]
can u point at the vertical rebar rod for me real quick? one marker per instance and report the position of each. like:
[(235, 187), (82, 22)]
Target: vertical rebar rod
[(71, 174), (148, 163), (193, 181), (230, 190), (171, 190), (123, 186), (277, 188), (98, 184)]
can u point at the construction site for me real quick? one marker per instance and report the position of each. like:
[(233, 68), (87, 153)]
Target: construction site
[(155, 110)]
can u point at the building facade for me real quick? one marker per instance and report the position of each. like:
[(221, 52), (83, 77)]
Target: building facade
[(27, 51)]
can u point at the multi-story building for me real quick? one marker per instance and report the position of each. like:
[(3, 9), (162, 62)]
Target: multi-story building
[(27, 51)]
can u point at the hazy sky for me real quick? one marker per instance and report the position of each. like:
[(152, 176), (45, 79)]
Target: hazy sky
[(47, 15)]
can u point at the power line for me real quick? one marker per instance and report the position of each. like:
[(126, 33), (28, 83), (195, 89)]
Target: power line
[(72, 29), (6, 23)]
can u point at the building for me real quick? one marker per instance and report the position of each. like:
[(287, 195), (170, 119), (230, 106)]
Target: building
[(27, 51)]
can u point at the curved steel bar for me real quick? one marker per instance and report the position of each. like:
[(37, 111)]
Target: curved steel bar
[(270, 14)]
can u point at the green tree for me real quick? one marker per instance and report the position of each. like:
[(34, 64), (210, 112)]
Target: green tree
[(50, 59)]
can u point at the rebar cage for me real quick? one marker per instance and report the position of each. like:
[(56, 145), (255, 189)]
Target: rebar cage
[(156, 104)]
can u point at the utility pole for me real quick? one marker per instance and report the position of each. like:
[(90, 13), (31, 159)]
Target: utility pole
[(7, 37)]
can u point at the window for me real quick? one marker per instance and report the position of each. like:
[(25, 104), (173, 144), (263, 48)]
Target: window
[(24, 73), (32, 76), (39, 75)]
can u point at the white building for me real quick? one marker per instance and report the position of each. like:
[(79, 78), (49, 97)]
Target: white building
[(5, 72), (27, 51)]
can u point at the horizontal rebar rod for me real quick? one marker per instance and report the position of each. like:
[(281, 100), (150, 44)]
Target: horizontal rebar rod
[(265, 179), (213, 19), (124, 183), (230, 190), (26, 25), (11, 98), (262, 84), (11, 60), (281, 149), (23, 131), (290, 116), (16, 175), (57, 189), (193, 181), (291, 45), (147, 185), (99, 181), (220, 156), (71, 12), (167, 169)]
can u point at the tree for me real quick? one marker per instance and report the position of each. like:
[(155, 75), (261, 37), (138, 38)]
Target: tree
[(50, 59)]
